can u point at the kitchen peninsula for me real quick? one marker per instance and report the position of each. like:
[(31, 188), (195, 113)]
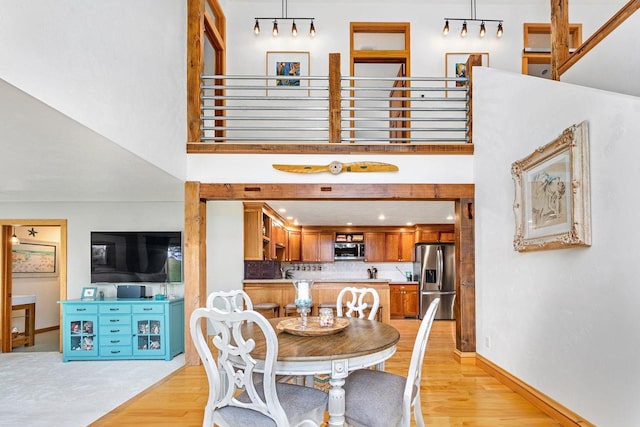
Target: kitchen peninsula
[(282, 292)]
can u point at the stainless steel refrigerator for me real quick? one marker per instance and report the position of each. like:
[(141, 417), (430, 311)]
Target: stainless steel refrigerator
[(435, 271)]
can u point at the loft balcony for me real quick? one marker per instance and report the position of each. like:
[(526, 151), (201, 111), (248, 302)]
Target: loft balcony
[(335, 114)]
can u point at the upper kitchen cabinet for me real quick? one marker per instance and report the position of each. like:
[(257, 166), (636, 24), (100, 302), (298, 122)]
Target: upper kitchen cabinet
[(435, 233), (317, 246), (265, 237), (375, 246), (294, 246), (399, 246)]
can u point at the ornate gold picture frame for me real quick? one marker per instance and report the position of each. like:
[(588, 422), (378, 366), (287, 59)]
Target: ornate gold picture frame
[(552, 194)]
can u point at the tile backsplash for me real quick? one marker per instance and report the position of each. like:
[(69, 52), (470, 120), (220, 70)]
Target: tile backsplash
[(392, 271)]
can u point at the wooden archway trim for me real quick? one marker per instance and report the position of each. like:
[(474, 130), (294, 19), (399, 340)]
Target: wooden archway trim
[(197, 194)]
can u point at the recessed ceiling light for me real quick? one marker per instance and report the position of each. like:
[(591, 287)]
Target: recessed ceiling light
[(282, 210), (381, 217), (295, 222), (450, 217), (349, 223), (289, 218), (409, 224)]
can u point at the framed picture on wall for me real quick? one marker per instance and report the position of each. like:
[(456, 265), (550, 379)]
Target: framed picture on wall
[(455, 66), (552, 194), (32, 258), (285, 71)]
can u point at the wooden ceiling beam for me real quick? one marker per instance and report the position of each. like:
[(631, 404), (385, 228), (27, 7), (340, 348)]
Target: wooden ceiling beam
[(559, 35)]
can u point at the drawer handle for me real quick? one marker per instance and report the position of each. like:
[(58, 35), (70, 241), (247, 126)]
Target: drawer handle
[(114, 341), (114, 309), (115, 351), (114, 320), (81, 309), (114, 330), (147, 309)]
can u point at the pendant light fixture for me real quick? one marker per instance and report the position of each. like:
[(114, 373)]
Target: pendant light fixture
[(483, 28), (284, 17), (14, 238)]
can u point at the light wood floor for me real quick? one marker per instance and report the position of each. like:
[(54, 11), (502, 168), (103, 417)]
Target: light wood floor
[(452, 394)]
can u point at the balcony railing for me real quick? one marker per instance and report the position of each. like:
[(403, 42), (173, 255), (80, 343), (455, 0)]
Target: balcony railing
[(334, 110)]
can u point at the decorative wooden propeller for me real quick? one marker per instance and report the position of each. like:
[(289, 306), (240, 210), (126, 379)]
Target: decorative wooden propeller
[(337, 167)]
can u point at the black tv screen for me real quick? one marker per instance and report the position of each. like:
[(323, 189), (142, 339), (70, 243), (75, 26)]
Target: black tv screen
[(142, 256)]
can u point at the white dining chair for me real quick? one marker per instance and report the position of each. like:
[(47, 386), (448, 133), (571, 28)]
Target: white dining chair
[(382, 399), (352, 299), (235, 300), (249, 398)]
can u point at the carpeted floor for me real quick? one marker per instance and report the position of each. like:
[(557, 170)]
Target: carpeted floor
[(38, 389)]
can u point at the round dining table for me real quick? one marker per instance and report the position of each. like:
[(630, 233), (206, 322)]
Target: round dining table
[(361, 344)]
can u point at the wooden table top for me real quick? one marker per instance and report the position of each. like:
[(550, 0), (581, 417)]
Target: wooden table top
[(360, 338)]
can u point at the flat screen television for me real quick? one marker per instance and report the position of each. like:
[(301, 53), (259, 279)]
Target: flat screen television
[(136, 256)]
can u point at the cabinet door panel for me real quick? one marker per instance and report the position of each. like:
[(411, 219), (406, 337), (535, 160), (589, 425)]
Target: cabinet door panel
[(374, 246)]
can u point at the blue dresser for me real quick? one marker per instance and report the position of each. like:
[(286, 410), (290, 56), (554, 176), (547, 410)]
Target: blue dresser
[(122, 329)]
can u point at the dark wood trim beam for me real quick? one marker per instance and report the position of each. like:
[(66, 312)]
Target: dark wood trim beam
[(616, 20), (465, 307), (335, 99), (195, 64), (5, 289), (473, 61), (336, 191), (559, 35), (195, 260), (251, 148)]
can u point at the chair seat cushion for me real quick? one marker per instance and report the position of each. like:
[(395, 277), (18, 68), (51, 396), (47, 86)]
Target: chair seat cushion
[(373, 398), (234, 416), (299, 403)]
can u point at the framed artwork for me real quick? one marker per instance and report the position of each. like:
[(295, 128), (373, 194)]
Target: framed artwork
[(89, 293), (34, 259), (455, 65), (552, 194), (283, 71)]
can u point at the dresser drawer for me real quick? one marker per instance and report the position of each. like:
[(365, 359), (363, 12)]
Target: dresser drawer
[(115, 340), (81, 309), (115, 350), (115, 309), (115, 330), (148, 308), (114, 320)]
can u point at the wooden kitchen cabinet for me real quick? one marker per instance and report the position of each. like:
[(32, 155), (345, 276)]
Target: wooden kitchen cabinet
[(403, 300), (375, 246), (317, 246), (399, 247), (435, 233), (294, 246)]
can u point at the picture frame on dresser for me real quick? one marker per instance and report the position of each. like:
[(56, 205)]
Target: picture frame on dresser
[(89, 293), (552, 204)]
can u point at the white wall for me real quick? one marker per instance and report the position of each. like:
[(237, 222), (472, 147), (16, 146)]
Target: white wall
[(82, 218), (118, 67), (608, 66), (560, 320)]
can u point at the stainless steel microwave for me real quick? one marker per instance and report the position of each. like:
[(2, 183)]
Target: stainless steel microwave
[(348, 251)]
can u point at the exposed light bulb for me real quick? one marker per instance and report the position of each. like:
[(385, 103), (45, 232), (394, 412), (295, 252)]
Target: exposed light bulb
[(445, 30), (14, 238), (256, 28), (275, 29), (463, 32), (312, 30), (294, 29), (500, 30), (483, 30)]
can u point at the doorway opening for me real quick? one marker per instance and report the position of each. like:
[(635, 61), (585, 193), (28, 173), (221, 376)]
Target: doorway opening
[(33, 278), (198, 194)]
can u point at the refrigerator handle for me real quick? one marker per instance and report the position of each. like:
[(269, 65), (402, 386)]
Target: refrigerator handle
[(439, 267)]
